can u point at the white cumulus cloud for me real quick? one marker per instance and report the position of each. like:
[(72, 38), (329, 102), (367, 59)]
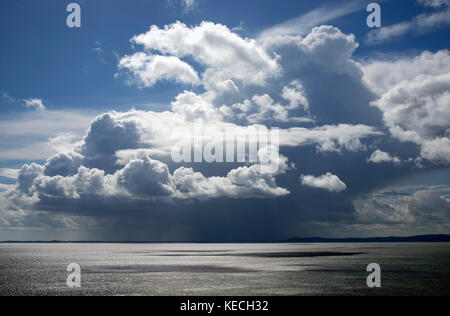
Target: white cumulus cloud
[(379, 156), (224, 54), (147, 70), (328, 181), (414, 97)]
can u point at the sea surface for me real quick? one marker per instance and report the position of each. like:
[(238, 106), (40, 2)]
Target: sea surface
[(225, 269)]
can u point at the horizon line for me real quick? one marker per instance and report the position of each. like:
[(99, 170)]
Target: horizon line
[(386, 239)]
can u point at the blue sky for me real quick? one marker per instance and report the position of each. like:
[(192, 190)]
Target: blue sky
[(55, 81)]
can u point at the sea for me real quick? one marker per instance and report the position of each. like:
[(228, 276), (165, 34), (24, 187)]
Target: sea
[(224, 269)]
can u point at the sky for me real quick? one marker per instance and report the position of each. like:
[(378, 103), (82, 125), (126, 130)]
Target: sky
[(90, 117)]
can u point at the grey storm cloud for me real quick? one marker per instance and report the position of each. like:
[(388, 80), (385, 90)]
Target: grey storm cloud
[(425, 208)]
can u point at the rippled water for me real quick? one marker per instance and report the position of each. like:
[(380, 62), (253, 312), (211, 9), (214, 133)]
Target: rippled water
[(224, 269)]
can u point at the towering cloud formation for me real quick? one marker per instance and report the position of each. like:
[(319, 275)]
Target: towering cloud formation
[(332, 111)]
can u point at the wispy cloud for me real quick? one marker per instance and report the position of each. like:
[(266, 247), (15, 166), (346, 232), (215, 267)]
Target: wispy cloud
[(98, 50), (36, 104), (239, 28), (34, 151), (187, 5), (31, 103), (421, 24), (98, 47), (434, 3), (9, 98), (6, 187), (9, 173), (304, 23), (38, 134)]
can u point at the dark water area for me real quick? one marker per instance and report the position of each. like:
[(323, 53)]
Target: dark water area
[(225, 269)]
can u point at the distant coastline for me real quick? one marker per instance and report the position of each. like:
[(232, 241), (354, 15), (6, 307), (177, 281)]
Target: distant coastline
[(313, 240), (391, 239)]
